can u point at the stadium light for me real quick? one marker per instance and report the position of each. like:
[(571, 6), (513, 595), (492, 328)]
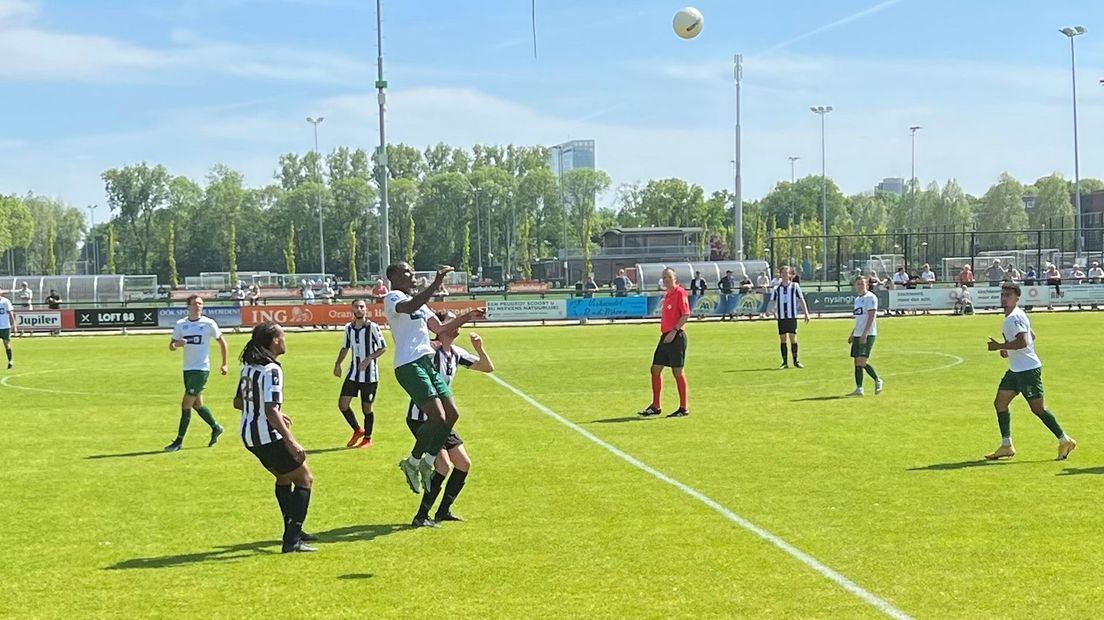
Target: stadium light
[(318, 177), (1071, 32), (823, 111)]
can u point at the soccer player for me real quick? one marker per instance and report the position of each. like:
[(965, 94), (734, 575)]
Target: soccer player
[(7, 326), (266, 432), (671, 350), (863, 334), (411, 321), (194, 334), (784, 300), (448, 358), (365, 340), (1024, 376)]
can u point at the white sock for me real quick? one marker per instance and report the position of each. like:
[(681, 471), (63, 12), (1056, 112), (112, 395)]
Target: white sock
[(1006, 442)]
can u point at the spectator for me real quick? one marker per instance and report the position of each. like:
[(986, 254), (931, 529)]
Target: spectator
[(745, 284), (725, 285), (1030, 277), (776, 280), (25, 295), (1076, 275), (327, 293), (1096, 274), (927, 276), (53, 300), (1054, 278), (874, 281), (621, 284), (591, 286), (995, 273), (379, 291), (1011, 274), (913, 280), (762, 281), (662, 286), (254, 295), (966, 276), (238, 296), (307, 293), (963, 304)]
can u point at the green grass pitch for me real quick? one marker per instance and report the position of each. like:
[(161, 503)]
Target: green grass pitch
[(885, 490)]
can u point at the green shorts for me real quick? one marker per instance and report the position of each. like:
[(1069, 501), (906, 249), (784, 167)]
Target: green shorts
[(862, 350), (195, 381), (5, 334), (422, 381), (1029, 383)]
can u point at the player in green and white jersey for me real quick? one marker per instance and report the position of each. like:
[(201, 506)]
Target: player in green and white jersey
[(194, 334)]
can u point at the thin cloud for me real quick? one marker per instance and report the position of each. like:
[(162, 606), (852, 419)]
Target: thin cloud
[(877, 8)]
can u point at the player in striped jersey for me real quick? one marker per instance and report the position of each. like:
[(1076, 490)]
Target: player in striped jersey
[(447, 358), (266, 432), (365, 340), (784, 300)]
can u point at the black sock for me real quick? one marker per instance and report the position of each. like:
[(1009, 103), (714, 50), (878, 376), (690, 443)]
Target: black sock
[(350, 419), (782, 348), (870, 371), (858, 376), (296, 516), (430, 497), (283, 497), (9, 352), (369, 423), (793, 351), (452, 489), (185, 419)]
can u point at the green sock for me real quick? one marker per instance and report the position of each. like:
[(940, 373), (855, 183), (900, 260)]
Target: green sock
[(1052, 423), (207, 416), (870, 371), (185, 418), (1004, 421)]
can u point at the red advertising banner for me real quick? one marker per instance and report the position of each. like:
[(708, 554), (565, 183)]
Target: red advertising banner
[(528, 287), (318, 314), (68, 319)]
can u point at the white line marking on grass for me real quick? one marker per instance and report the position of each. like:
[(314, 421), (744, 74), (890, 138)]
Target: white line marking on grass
[(873, 600), (6, 383)]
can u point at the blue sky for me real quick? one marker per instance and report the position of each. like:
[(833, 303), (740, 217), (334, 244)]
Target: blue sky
[(191, 83)]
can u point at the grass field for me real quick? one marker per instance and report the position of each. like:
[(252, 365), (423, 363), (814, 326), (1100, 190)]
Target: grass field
[(886, 490)]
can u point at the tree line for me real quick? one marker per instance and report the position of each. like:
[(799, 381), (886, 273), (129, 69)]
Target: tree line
[(495, 206)]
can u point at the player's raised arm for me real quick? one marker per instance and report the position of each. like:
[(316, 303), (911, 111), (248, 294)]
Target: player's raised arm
[(423, 296), (484, 364), (436, 326)]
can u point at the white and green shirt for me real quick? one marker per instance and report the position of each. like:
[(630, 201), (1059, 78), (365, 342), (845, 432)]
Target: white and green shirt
[(865, 305), (197, 336), (1020, 360), (410, 331), (5, 312)]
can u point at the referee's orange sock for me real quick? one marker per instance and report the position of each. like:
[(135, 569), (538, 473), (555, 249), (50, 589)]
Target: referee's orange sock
[(680, 381), (657, 390)]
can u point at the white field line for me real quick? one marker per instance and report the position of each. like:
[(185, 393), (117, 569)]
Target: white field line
[(871, 599)]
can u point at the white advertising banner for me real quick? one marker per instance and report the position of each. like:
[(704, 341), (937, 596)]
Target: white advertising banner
[(46, 320), (1080, 294), (526, 310), (980, 297)]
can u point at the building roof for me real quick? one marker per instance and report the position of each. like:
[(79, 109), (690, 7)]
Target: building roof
[(651, 229)]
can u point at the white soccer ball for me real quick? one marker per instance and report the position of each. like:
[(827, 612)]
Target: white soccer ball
[(688, 23)]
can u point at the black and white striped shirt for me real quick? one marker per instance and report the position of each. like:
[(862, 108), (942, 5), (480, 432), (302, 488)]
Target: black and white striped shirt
[(259, 385), (446, 361), (362, 342), (787, 300)]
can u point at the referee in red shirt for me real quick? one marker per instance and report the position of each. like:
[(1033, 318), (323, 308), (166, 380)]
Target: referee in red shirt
[(671, 350)]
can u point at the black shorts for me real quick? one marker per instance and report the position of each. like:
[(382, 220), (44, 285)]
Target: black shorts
[(367, 391), (787, 326), (671, 354), (453, 440), (276, 457)]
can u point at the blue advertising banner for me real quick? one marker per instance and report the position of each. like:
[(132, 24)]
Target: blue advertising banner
[(225, 316), (608, 307)]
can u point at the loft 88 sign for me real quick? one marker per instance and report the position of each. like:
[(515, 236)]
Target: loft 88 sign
[(117, 317)]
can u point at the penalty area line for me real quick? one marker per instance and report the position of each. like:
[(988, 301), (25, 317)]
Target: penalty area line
[(819, 567)]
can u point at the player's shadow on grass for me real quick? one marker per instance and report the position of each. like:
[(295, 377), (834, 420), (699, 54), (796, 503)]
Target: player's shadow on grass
[(224, 553), (1077, 471), (124, 455), (972, 464), (821, 398), (627, 418), (771, 369), (328, 450)]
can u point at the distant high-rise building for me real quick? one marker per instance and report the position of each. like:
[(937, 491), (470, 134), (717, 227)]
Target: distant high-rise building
[(571, 155), (891, 185)]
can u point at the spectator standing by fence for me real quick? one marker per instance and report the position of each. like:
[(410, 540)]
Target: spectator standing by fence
[(53, 300), (762, 281), (254, 295), (1030, 276), (697, 290), (995, 273), (725, 285), (966, 276), (25, 295), (379, 291), (621, 284), (1011, 274), (1096, 274)]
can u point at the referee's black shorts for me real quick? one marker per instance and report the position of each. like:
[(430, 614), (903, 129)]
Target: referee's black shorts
[(276, 457), (367, 391), (671, 354), (453, 440), (787, 326)]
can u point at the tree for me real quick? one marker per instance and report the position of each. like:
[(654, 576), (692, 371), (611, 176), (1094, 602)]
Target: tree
[(134, 193), (465, 252), (111, 248), (352, 249), (1002, 209), (289, 251), (1053, 203), (174, 276), (232, 250), (409, 241), (525, 257), (581, 188), (51, 255)]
